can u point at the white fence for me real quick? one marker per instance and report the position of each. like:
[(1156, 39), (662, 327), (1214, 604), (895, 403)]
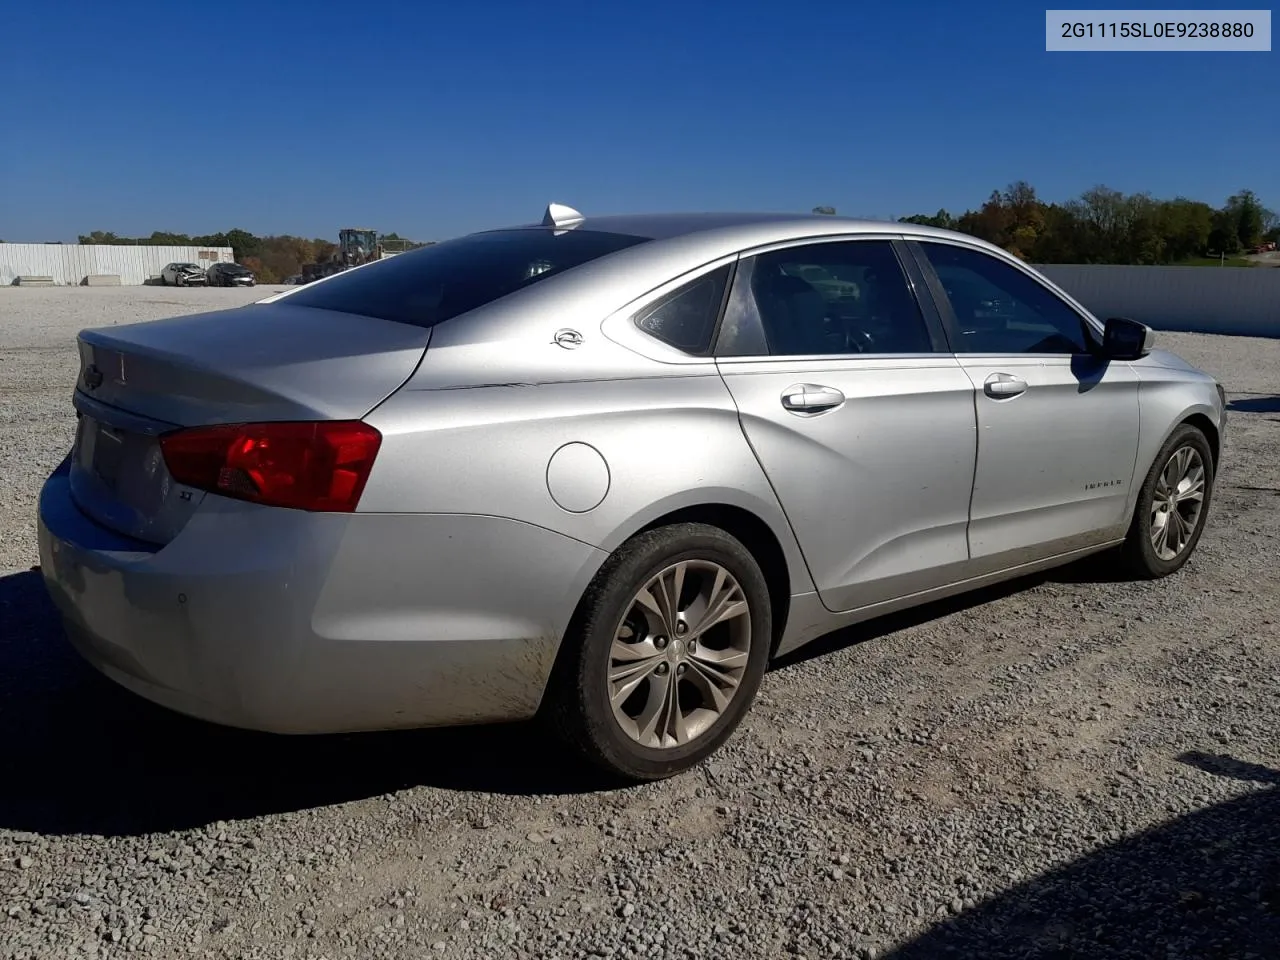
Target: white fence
[(1244, 301), (69, 264)]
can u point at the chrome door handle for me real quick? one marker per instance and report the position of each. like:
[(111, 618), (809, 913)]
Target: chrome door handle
[(1001, 386), (804, 398)]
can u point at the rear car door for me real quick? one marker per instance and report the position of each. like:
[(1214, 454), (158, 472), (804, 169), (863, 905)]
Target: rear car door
[(1057, 425), (860, 417)]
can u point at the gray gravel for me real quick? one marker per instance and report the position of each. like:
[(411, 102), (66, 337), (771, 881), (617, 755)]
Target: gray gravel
[(1064, 767)]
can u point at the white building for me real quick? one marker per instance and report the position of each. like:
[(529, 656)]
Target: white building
[(69, 264)]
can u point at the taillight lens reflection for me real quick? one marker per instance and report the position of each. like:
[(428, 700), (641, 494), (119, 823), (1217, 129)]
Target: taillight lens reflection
[(321, 466)]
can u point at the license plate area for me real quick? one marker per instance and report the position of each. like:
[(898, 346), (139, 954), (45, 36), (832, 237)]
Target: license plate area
[(119, 478), (100, 451)]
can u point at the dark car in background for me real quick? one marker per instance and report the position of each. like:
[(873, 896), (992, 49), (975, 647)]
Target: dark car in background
[(230, 275)]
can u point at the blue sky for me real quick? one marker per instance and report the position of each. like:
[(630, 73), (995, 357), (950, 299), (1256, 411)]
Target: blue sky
[(434, 118)]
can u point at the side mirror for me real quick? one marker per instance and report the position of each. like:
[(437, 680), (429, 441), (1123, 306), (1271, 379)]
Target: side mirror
[(1125, 339)]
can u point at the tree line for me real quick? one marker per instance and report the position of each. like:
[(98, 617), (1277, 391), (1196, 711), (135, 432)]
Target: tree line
[(271, 258), (1100, 226), (1106, 226)]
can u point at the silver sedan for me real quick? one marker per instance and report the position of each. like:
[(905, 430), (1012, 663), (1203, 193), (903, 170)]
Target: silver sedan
[(599, 471)]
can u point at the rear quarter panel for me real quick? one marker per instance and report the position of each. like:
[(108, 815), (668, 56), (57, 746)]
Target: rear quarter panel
[(667, 442)]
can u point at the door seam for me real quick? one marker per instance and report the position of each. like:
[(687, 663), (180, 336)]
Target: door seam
[(977, 451), (786, 517)]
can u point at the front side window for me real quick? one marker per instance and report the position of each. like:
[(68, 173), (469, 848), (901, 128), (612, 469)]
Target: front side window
[(1000, 309), (846, 297), (445, 280)]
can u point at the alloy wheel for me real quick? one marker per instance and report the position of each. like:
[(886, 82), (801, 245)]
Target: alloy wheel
[(679, 654), (1177, 503)]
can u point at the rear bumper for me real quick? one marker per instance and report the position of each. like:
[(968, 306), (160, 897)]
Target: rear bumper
[(292, 622)]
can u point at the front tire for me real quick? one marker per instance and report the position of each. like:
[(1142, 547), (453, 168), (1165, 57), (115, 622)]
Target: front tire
[(665, 653), (1172, 506)]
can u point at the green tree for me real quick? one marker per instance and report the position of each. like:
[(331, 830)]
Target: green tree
[(1249, 216), (1025, 215), (211, 240), (1185, 225), (1102, 225), (990, 222), (1058, 241), (1224, 238), (1104, 217), (243, 243), (940, 219)]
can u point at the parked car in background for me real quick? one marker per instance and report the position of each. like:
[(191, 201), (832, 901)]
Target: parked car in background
[(183, 275), (602, 471), (230, 275)]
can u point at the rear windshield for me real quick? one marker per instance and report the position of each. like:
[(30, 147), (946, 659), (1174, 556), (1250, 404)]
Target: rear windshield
[(442, 281)]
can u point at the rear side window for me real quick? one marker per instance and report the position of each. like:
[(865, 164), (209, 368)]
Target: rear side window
[(442, 281), (686, 317)]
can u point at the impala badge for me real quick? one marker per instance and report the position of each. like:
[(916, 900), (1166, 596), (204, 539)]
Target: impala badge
[(567, 338)]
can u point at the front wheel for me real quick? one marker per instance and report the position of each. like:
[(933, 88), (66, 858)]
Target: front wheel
[(1172, 506), (665, 654)]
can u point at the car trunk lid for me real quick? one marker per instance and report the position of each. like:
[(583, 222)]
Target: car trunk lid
[(250, 364)]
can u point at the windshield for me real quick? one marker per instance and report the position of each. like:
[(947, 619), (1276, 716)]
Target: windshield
[(442, 281)]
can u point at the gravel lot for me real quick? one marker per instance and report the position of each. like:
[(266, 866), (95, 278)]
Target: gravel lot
[(1064, 767)]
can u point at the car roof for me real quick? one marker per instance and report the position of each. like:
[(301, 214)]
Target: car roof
[(739, 229), (676, 243)]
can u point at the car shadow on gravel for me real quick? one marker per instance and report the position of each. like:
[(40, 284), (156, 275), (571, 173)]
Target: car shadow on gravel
[(1097, 569), (889, 623), (1255, 404), (1204, 886), (80, 755)]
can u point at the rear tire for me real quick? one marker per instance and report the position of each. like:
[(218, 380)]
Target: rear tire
[(646, 688), (1172, 507)]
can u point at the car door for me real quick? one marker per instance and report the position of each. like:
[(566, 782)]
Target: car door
[(858, 414), (1057, 424)]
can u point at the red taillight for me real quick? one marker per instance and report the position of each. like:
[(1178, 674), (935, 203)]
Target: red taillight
[(308, 466)]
